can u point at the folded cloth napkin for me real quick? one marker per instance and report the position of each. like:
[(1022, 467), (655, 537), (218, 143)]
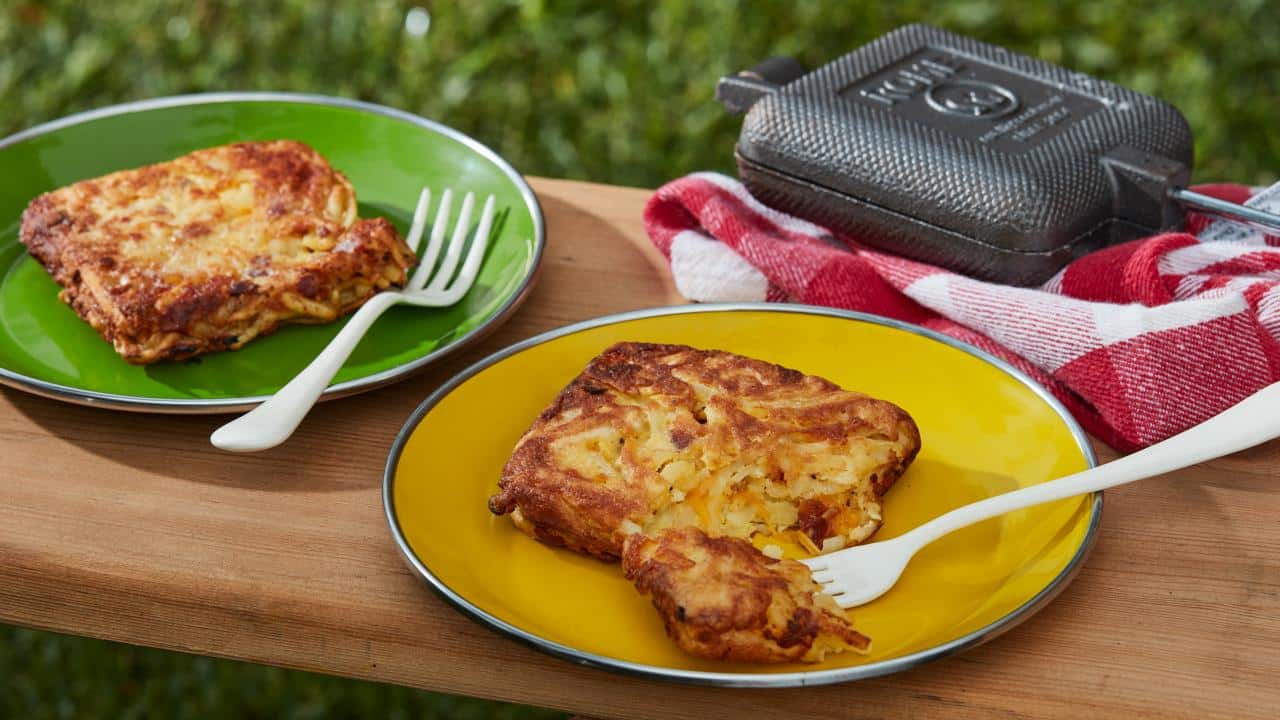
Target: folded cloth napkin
[(1139, 341)]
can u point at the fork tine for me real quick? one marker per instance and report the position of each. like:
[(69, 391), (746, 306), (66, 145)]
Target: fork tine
[(434, 244), (475, 256), (419, 219), (823, 577), (816, 563), (454, 251)]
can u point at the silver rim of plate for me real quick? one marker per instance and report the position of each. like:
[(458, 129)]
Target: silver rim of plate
[(752, 680), (351, 387)]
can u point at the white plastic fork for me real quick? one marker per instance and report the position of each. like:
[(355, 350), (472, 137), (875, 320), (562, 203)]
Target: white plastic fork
[(272, 422), (861, 574)]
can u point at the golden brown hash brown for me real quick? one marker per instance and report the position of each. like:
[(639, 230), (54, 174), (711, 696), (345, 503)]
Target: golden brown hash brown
[(722, 599), (656, 436), (208, 251)]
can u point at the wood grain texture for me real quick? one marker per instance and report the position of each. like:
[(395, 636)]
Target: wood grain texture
[(132, 528)]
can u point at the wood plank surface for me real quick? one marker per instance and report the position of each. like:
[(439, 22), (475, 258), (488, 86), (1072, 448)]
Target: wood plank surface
[(132, 528)]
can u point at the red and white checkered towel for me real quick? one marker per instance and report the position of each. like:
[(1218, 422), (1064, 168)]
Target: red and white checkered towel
[(1139, 341)]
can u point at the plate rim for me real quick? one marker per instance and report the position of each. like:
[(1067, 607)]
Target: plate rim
[(804, 678), (135, 403)]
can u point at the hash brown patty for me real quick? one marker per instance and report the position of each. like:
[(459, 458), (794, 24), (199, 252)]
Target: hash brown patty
[(721, 598), (208, 251), (654, 436)]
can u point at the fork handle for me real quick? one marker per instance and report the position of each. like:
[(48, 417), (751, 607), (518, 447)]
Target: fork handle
[(1250, 422), (272, 422)]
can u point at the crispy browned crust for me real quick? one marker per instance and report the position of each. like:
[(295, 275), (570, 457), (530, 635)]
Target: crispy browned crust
[(721, 598), (652, 436), (206, 252)]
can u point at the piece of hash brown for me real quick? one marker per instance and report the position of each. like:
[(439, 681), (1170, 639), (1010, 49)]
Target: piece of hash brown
[(208, 251), (721, 598), (657, 436)]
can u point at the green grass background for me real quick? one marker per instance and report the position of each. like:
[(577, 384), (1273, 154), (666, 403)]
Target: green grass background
[(612, 92)]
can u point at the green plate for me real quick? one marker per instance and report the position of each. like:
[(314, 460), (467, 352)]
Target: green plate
[(389, 156)]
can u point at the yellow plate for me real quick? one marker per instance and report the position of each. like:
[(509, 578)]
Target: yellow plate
[(986, 429)]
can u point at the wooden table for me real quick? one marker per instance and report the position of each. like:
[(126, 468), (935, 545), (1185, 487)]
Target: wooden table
[(132, 528)]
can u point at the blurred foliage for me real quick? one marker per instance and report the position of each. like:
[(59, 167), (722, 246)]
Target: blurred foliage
[(53, 677), (618, 93)]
